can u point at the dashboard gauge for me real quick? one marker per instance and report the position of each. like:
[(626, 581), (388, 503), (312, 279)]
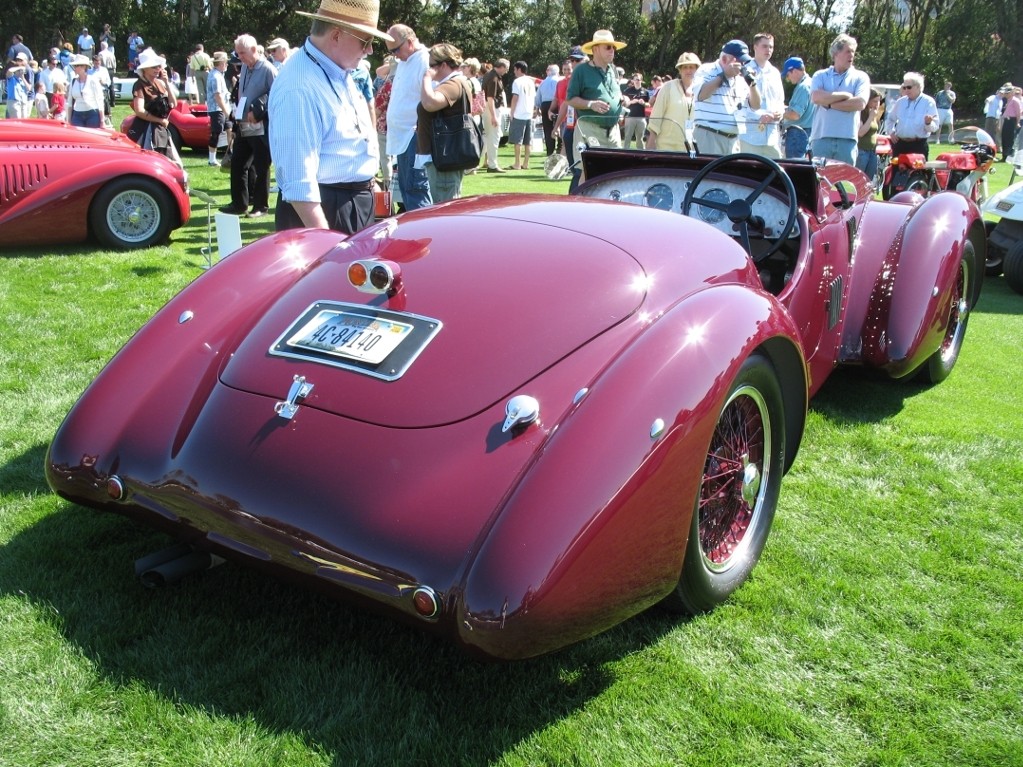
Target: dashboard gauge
[(659, 196), (712, 215)]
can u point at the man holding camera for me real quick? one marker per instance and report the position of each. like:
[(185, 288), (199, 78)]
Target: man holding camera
[(723, 89)]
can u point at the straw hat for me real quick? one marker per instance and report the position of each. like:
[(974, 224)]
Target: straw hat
[(688, 59), (149, 59), (277, 42), (602, 37), (79, 61), (360, 15)]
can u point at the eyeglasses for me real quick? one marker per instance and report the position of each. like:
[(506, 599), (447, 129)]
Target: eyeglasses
[(366, 44), (907, 87), (394, 51)]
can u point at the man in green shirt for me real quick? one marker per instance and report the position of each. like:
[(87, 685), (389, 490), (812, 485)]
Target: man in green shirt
[(595, 94)]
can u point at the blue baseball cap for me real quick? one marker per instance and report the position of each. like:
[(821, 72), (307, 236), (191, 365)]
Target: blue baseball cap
[(739, 49), (792, 63)]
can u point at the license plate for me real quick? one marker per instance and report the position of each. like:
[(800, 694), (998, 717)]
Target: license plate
[(1003, 205), (351, 335)]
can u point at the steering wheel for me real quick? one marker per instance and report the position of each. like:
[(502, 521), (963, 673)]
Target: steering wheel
[(740, 211)]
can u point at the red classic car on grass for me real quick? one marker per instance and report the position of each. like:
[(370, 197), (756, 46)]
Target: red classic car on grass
[(61, 184), (189, 125), (517, 420)]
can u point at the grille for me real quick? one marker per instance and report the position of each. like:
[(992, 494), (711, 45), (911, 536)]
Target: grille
[(16, 179)]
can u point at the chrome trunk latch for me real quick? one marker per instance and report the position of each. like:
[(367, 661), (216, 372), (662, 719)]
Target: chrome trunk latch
[(520, 411), (299, 390)]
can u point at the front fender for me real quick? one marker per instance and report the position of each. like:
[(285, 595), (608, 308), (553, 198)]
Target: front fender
[(907, 313), (596, 531)]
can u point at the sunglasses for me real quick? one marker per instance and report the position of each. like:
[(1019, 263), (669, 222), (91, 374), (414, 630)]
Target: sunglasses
[(907, 87), (394, 51), (366, 44)]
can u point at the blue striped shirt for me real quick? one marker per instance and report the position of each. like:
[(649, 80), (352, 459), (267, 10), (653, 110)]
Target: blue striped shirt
[(320, 127)]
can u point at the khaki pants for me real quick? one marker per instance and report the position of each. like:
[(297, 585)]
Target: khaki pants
[(591, 134), (491, 139)]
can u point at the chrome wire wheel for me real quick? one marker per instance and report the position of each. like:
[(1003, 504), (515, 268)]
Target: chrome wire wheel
[(739, 487), (735, 479), (133, 216)]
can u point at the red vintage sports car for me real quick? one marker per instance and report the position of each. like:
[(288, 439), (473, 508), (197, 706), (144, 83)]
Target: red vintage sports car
[(62, 184), (189, 125), (518, 420)]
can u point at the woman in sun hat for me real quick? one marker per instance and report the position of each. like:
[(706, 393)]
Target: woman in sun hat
[(152, 100), (85, 95), (595, 93), (672, 114)]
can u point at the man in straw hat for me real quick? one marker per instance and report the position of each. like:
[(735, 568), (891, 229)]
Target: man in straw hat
[(596, 95), (993, 105), (414, 58), (217, 97), (327, 155)]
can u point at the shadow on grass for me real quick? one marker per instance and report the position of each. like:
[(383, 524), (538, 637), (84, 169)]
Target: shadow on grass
[(233, 642)]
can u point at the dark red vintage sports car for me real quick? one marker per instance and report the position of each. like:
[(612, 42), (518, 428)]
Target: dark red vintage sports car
[(518, 420), (189, 126), (61, 184)]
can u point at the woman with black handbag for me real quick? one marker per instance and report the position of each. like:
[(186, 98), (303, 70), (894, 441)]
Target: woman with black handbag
[(448, 139), (152, 100)]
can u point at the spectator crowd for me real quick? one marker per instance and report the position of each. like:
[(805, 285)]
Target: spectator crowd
[(330, 125)]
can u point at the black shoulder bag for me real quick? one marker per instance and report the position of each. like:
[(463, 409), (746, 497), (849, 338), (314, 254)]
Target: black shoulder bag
[(456, 138)]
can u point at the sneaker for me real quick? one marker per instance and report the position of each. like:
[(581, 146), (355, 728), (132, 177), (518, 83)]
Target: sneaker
[(213, 163), (257, 212)]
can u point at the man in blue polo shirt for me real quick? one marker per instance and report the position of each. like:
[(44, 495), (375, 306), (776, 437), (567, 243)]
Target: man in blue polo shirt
[(798, 119)]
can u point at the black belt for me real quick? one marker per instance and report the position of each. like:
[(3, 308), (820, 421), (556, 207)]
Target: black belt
[(353, 186), (718, 132)]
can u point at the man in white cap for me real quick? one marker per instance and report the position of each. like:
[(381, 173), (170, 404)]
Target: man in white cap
[(279, 51), (595, 93), (327, 155), (217, 97), (86, 44), (19, 88), (722, 88)]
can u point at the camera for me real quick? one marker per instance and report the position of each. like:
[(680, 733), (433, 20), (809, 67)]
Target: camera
[(748, 74)]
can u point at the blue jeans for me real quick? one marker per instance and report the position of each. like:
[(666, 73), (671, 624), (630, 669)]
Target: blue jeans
[(414, 184), (867, 162), (92, 118), (842, 149)]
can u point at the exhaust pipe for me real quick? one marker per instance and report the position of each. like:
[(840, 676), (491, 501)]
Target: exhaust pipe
[(173, 564)]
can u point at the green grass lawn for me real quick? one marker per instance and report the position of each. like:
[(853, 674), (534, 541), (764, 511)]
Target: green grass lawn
[(881, 627)]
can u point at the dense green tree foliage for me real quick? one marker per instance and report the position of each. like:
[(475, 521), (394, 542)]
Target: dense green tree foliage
[(976, 43)]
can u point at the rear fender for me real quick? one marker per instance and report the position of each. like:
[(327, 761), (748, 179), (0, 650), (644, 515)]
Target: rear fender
[(596, 530), (170, 366), (906, 319)]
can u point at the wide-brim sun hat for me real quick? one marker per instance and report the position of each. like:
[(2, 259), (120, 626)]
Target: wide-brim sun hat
[(277, 42), (688, 59), (360, 15), (149, 59), (80, 61), (602, 37)]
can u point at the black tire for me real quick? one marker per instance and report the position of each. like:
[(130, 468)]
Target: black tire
[(939, 365), (131, 212), (993, 263), (1014, 267), (741, 482)]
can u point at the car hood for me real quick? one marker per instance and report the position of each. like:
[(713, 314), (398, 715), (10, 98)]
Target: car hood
[(508, 293)]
